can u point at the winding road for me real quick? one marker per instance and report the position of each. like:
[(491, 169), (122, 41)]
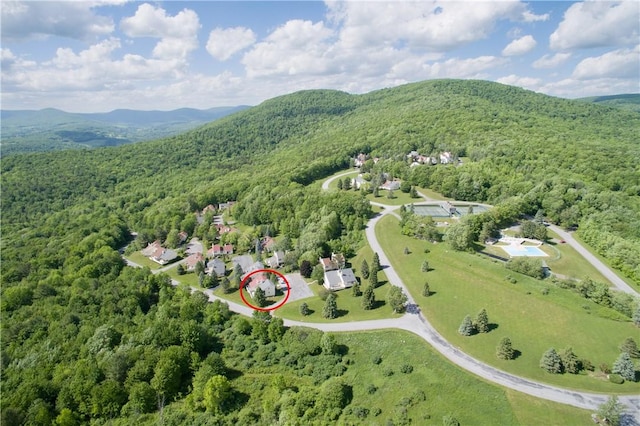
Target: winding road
[(416, 323)]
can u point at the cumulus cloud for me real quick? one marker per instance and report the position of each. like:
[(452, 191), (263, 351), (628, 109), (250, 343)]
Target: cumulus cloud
[(437, 25), (77, 20), (223, 43), (621, 63), (297, 47), (551, 61), (520, 46), (178, 34), (597, 24), (525, 82)]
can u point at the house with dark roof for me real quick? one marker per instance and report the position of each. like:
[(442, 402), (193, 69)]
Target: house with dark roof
[(216, 266), (277, 260)]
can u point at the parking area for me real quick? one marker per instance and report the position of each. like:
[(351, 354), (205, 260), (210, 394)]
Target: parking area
[(299, 288)]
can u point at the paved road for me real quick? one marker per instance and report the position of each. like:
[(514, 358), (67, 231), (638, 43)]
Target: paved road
[(325, 184), (416, 323), (604, 269)]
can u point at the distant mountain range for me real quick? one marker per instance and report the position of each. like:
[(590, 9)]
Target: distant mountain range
[(52, 129), (629, 101)]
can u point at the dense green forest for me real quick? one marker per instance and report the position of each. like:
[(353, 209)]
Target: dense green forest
[(72, 310), (629, 101)]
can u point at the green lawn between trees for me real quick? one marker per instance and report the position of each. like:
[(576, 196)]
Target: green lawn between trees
[(464, 283)]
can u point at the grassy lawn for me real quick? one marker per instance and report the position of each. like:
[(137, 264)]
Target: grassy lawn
[(349, 307), (190, 278), (433, 194), (464, 283), (447, 388), (141, 260), (399, 198), (571, 263)]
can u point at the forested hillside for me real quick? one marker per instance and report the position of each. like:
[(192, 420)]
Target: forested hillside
[(69, 305)]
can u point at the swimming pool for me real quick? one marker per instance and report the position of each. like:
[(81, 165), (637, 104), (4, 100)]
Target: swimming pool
[(529, 251)]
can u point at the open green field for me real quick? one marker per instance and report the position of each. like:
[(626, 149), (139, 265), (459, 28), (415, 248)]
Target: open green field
[(399, 198), (349, 307), (464, 283), (447, 389), (433, 194)]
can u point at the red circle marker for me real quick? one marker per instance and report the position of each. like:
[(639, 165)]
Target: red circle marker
[(273, 308)]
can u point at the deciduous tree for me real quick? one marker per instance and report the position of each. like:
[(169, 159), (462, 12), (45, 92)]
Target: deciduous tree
[(396, 298), (216, 393)]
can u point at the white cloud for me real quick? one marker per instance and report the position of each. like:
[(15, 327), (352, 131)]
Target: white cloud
[(551, 61), (596, 24), (532, 17), (574, 88), (72, 19), (436, 25), (621, 63), (525, 82), (520, 46), (297, 47), (223, 43), (178, 34)]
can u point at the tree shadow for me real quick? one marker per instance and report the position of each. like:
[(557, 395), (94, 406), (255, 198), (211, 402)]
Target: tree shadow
[(492, 326), (237, 401), (233, 373), (342, 350), (341, 313), (311, 312), (378, 304), (381, 283), (432, 293), (516, 354)]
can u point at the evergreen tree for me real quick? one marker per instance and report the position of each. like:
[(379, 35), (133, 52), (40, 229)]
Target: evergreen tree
[(570, 361), (426, 290), (482, 321), (636, 316), (346, 185), (304, 309), (551, 361), (368, 298), (466, 328), (180, 269), (373, 279), (356, 291), (340, 184), (330, 309), (396, 298), (413, 193), (306, 269), (364, 269), (260, 298), (376, 192), (225, 285), (624, 367), (390, 194), (375, 264), (505, 349), (406, 250), (199, 268), (611, 411), (631, 347), (425, 266)]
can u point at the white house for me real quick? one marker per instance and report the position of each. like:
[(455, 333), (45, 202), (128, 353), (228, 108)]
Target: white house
[(264, 283), (339, 279)]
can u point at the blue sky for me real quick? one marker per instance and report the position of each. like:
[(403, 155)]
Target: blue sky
[(89, 56)]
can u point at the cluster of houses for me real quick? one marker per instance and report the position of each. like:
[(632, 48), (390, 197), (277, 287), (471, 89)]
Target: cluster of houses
[(418, 159), (388, 184)]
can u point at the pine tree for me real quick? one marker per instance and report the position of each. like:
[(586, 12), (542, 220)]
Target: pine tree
[(406, 250), (356, 291), (306, 269), (180, 269), (505, 349), (624, 367), (330, 309), (636, 316), (631, 347), (551, 361), (426, 290), (364, 269), (425, 266), (225, 285), (340, 186), (611, 411), (396, 298), (482, 321), (375, 265), (466, 328), (413, 193), (346, 185), (373, 279), (260, 298), (304, 309), (570, 361), (368, 298)]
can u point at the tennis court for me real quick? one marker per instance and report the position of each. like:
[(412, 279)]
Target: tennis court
[(463, 209), (430, 210), (529, 251)]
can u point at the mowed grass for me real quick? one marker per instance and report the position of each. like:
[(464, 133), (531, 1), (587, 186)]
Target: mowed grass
[(349, 307), (141, 260), (447, 389), (571, 263), (399, 198), (464, 283)]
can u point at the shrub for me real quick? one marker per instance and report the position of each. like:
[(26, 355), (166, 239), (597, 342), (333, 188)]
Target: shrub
[(406, 368), (377, 411), (371, 389), (388, 372), (377, 359), (527, 266), (616, 378)]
